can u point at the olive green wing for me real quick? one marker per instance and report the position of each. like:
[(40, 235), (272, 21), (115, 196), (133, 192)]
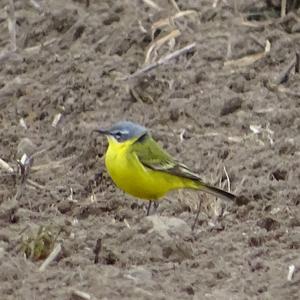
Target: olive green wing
[(154, 157)]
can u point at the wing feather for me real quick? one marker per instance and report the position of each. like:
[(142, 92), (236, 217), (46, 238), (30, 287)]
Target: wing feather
[(152, 156)]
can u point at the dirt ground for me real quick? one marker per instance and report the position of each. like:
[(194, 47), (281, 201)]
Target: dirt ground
[(211, 110)]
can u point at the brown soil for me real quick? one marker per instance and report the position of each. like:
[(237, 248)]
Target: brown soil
[(207, 115)]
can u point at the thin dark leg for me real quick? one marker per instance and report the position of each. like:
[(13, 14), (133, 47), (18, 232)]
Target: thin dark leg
[(197, 216), (149, 207), (156, 204)]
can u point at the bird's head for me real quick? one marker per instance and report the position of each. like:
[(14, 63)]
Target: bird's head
[(124, 131)]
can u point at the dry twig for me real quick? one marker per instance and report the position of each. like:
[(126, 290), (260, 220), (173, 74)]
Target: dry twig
[(173, 2), (36, 5), (97, 250), (161, 61), (81, 295), (5, 166), (228, 180), (52, 164), (52, 256), (35, 184), (170, 20), (283, 8), (291, 272), (156, 44), (282, 77), (197, 216), (249, 59), (36, 49), (11, 23), (235, 7), (11, 19), (215, 3), (152, 4), (297, 64)]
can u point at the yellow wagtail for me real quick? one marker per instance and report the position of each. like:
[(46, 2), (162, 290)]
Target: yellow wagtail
[(140, 167)]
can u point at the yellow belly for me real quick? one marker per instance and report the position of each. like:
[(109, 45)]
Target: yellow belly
[(132, 177)]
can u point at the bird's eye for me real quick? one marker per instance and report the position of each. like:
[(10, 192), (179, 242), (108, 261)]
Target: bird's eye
[(120, 135), (117, 135)]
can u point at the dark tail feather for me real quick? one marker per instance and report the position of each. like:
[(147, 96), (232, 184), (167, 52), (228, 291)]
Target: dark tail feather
[(217, 192)]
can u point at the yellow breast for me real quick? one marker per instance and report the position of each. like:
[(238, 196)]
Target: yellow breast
[(132, 177)]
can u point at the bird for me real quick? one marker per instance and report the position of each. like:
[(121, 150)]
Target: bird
[(139, 166)]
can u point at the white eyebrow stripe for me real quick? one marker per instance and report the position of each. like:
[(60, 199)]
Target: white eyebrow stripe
[(123, 131)]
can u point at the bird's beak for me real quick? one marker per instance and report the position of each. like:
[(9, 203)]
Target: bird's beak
[(101, 131)]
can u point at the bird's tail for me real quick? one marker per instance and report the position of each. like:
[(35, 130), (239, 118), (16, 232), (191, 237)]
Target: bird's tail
[(216, 191), (192, 180)]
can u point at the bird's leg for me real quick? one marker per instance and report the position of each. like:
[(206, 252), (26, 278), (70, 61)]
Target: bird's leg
[(197, 216), (156, 204), (149, 207)]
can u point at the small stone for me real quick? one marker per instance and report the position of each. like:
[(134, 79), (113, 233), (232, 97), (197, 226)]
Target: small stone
[(189, 290), (296, 28), (238, 85), (256, 265), (208, 15), (170, 238), (167, 227), (140, 274), (112, 18), (4, 236), (2, 253), (256, 241), (280, 174), (231, 105), (241, 200), (268, 224), (294, 222), (8, 272), (8, 210), (174, 114)]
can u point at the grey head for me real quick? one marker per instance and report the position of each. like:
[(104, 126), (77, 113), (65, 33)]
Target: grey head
[(124, 131)]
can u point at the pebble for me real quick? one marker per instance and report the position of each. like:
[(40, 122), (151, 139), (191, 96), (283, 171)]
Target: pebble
[(167, 227), (231, 105), (139, 275)]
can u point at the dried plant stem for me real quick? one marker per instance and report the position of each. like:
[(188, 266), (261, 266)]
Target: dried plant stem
[(284, 74), (97, 250), (291, 272), (81, 295), (11, 19), (152, 4), (36, 5), (161, 61), (35, 184), (249, 59), (170, 20), (228, 180), (215, 3), (175, 5), (4, 165), (155, 45), (52, 164), (197, 216), (11, 23), (236, 9), (283, 8), (297, 64), (52, 256)]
